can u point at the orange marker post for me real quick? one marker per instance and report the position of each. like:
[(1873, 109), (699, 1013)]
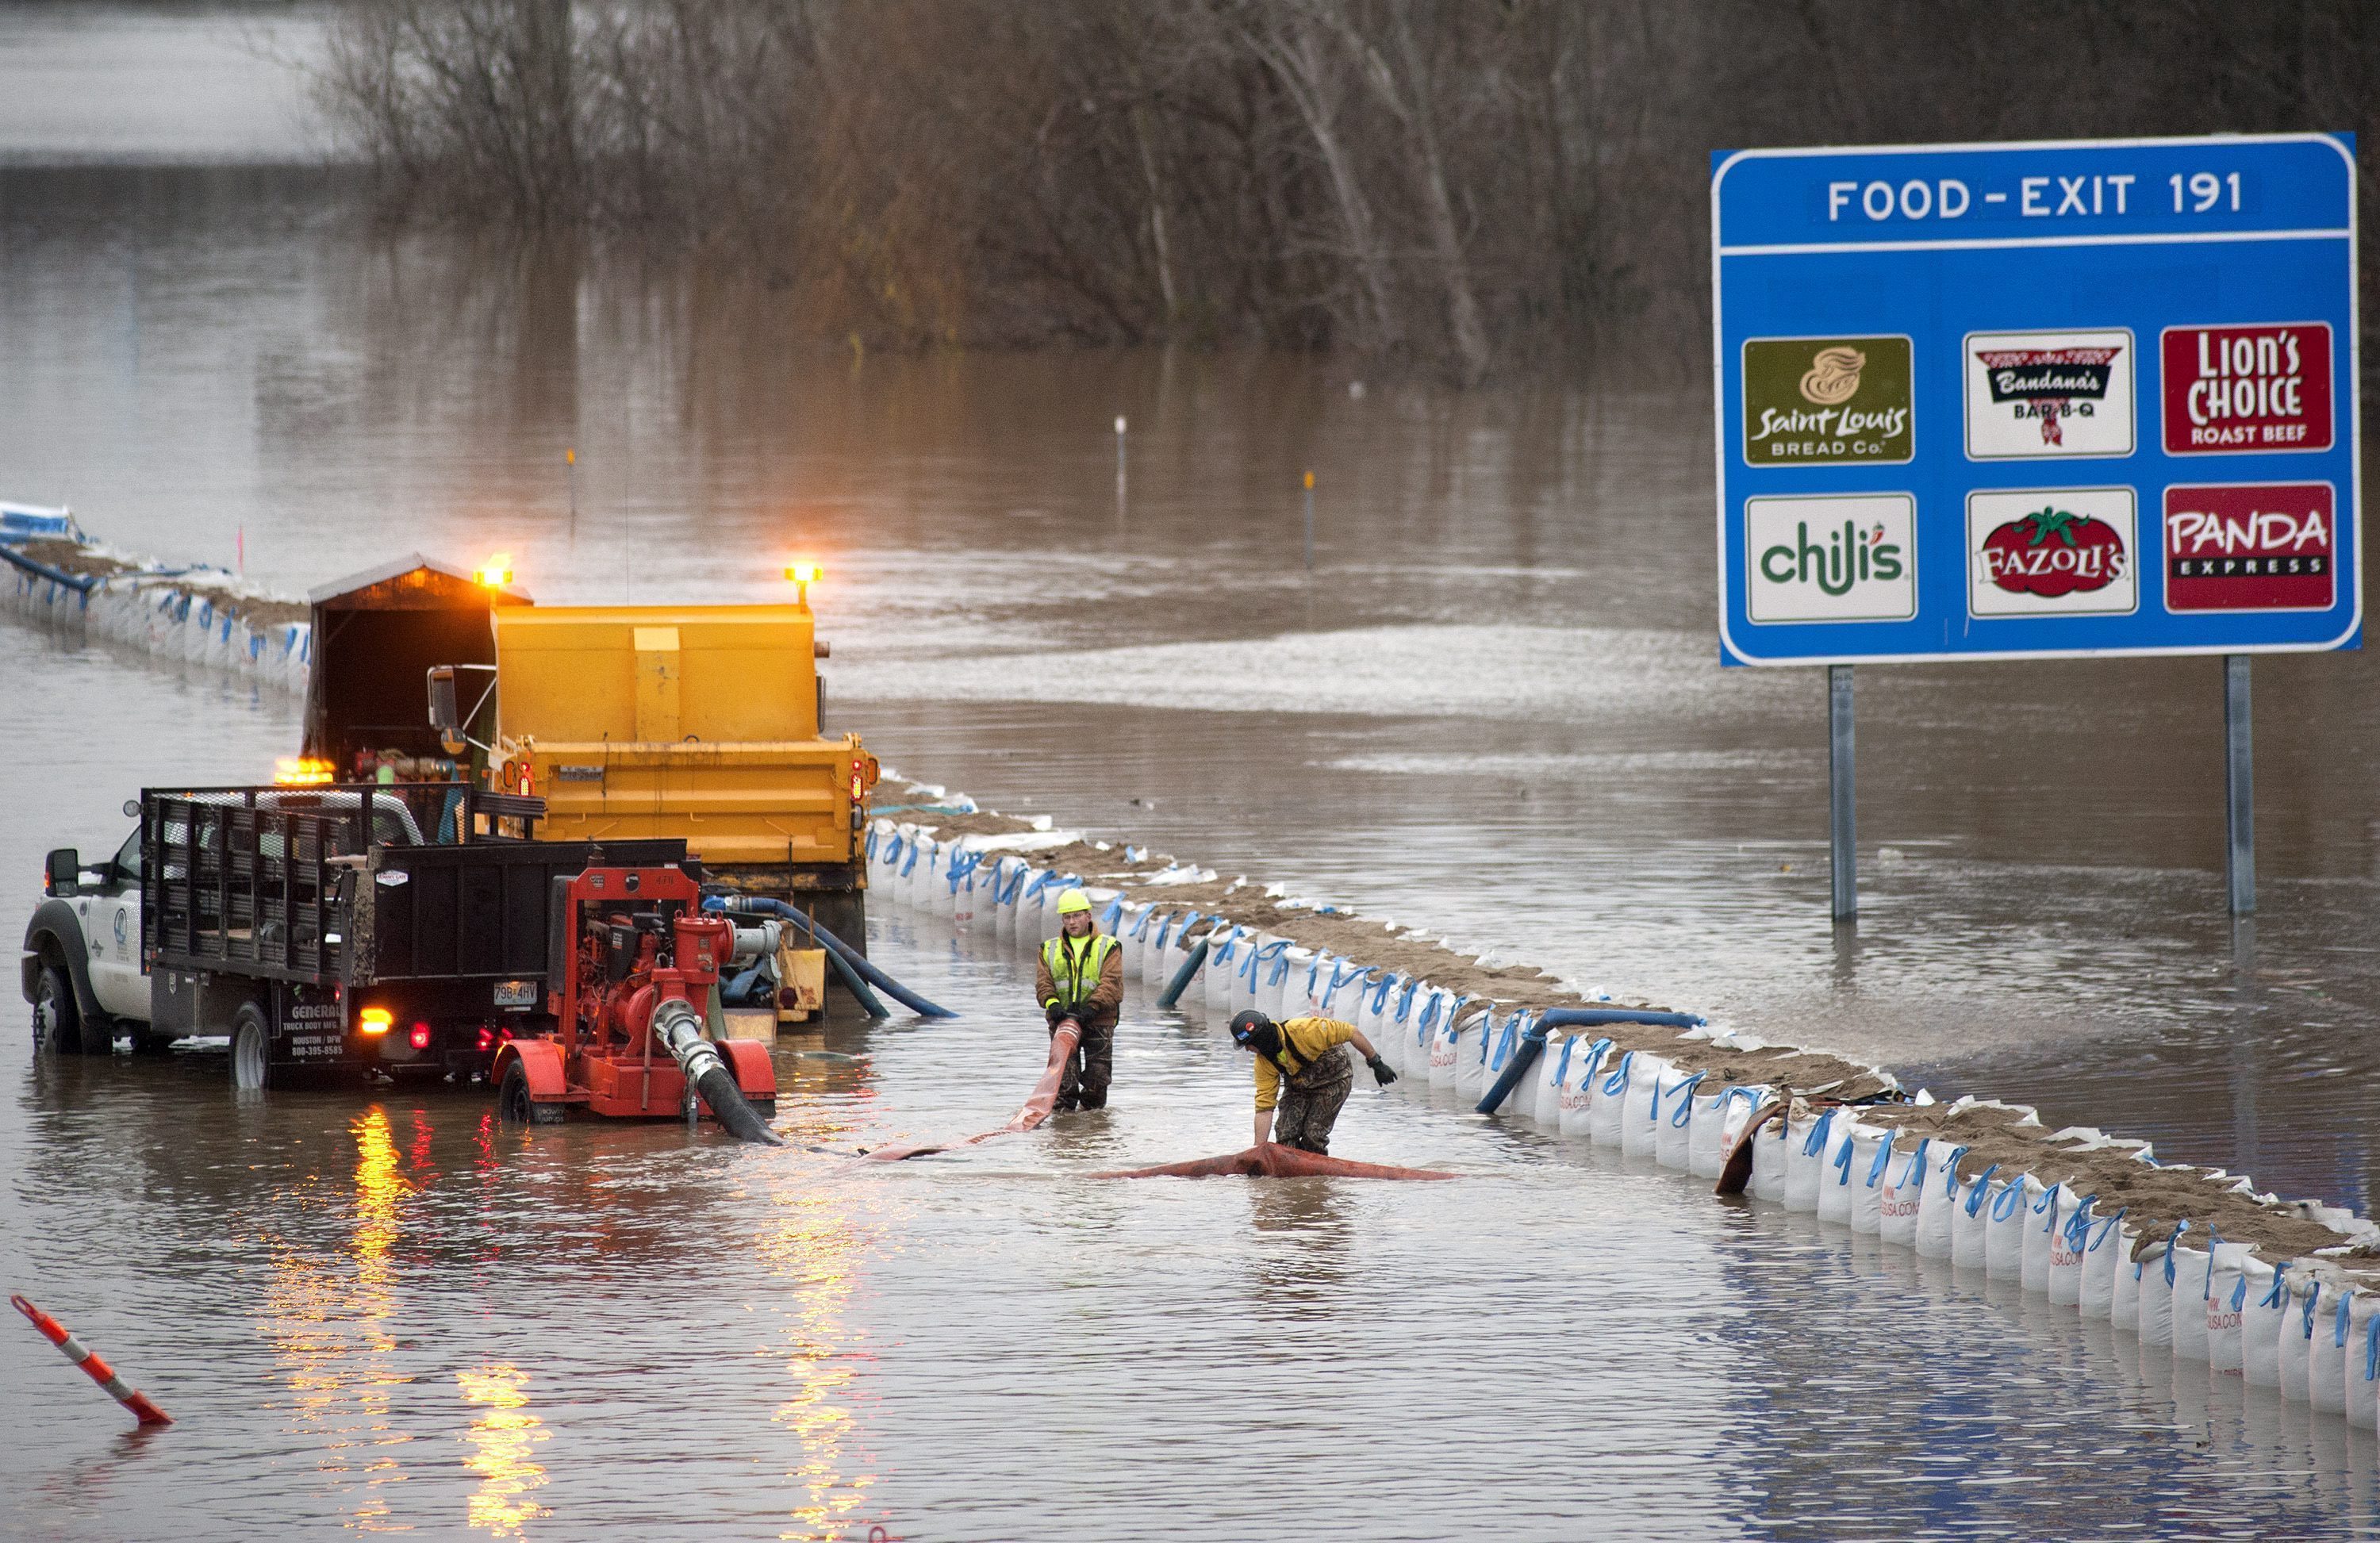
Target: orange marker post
[(99, 1371)]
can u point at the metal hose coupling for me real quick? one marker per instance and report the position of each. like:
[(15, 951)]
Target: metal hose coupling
[(679, 1027)]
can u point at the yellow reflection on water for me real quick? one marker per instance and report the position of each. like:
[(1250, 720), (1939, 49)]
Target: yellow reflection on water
[(328, 1315), (815, 1247), (503, 1440)]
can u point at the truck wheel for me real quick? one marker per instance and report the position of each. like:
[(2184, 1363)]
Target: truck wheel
[(251, 1049), (57, 1021), (514, 1107)]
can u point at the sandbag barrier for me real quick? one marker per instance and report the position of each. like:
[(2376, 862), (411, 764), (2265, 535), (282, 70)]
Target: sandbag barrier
[(2281, 1295), (203, 616)]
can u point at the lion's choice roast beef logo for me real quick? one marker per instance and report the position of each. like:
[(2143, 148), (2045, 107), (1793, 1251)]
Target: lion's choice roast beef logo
[(1847, 559), (2066, 551), (2247, 388), (2049, 393), (1827, 401), (2250, 548)]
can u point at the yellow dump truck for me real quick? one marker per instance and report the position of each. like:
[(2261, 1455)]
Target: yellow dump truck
[(693, 721)]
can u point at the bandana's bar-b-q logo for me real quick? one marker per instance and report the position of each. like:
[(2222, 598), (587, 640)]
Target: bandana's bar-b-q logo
[(2269, 548), (2049, 393), (2246, 388), (1830, 559), (1827, 401)]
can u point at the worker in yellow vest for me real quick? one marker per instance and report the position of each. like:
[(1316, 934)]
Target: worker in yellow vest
[(1303, 1072), (1081, 978)]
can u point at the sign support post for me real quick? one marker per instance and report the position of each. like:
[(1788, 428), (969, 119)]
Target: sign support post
[(1842, 816), (2239, 785)]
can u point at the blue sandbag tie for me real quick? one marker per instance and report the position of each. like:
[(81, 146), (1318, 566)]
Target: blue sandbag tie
[(2305, 1330), (1844, 1165), (914, 847), (1405, 998), (1916, 1160), (2106, 1225), (2013, 1190), (2372, 1349), (1950, 1172), (2174, 1243), (1108, 917), (1617, 1082), (1883, 1156), (1979, 1188), (2078, 1226), (2338, 1330), (1685, 1112), (1139, 927), (2213, 1237), (1817, 1141), (2280, 1291)]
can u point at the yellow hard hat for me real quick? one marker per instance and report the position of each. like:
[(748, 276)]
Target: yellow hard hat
[(1073, 901)]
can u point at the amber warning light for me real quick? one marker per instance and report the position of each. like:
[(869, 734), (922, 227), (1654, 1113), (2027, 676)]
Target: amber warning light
[(497, 571), (301, 772), (373, 1020)]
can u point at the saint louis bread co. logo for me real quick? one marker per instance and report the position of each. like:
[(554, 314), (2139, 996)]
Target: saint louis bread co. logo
[(2063, 551), (1827, 401), (2032, 394), (2266, 548), (2246, 388), (1852, 558)]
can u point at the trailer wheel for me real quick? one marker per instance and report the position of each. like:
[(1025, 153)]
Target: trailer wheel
[(514, 1107), (251, 1049), (58, 1028)]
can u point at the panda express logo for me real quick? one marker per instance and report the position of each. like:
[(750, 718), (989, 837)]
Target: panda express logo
[(1827, 401)]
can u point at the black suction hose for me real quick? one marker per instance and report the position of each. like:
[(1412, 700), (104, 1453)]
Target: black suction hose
[(843, 952), (1532, 1044), (678, 1025), (858, 987)]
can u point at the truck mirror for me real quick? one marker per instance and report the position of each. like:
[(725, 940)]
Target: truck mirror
[(65, 871), (446, 713)]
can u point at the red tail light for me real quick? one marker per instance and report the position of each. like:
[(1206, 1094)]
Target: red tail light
[(419, 1037)]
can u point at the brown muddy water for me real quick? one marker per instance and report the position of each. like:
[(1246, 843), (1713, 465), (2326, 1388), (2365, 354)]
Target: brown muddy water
[(1493, 709)]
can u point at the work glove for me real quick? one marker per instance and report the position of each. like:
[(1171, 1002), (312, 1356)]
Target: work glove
[(1059, 1015), (1382, 1073)]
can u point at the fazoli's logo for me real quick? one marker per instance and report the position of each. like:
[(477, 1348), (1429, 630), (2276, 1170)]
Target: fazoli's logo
[(2054, 552)]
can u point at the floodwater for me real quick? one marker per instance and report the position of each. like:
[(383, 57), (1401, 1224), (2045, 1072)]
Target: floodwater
[(1491, 708)]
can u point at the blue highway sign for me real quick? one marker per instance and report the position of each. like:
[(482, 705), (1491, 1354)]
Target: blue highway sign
[(2052, 399)]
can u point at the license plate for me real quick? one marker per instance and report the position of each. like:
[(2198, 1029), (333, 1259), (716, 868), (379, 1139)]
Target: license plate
[(516, 993)]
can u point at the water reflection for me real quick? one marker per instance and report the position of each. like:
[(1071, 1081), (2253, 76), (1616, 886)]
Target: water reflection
[(503, 1438), (1304, 1231), (811, 1246)]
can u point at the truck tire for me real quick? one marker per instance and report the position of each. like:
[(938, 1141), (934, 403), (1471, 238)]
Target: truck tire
[(251, 1049), (58, 1027), (514, 1107)]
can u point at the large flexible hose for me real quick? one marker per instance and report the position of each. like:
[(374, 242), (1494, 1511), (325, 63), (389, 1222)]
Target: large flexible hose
[(678, 1025), (1172, 993), (1533, 1042), (857, 961)]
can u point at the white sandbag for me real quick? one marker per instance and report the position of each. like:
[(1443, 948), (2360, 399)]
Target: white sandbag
[(1937, 1203), (1545, 1081), (1835, 1171), (2124, 1301), (941, 893), (1158, 931), (1478, 1043), (2004, 1219), (1805, 1158), (2103, 1252), (2326, 1366), (2263, 1316), (1904, 1187), (927, 874), (1971, 1223), (1421, 1025), (1769, 1149), (1584, 1069), (1284, 984), (1673, 1116), (2300, 1321), (2040, 1226), (1394, 997), (1872, 1154), (2157, 1292), (1504, 1043), (1607, 1111), (975, 880), (1709, 1137), (2362, 1348), (2194, 1278), (2067, 1241), (1371, 1013), (1131, 932), (1445, 1051), (1343, 998), (1308, 985), (1224, 947), (2227, 1311), (1640, 1109)]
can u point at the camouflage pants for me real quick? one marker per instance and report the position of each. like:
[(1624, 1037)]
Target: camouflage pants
[(1311, 1100)]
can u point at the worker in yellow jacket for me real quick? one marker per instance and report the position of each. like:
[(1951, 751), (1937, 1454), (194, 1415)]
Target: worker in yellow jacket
[(1302, 1075), (1081, 978)]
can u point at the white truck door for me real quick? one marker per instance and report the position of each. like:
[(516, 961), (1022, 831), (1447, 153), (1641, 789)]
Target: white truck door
[(112, 932)]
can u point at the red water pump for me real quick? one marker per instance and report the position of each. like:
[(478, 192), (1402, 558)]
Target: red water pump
[(633, 962)]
